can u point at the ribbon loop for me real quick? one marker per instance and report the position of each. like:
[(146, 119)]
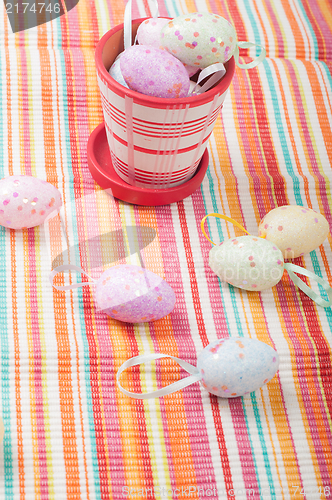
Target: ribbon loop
[(220, 216), (216, 71), (127, 32), (69, 267), (195, 376), (255, 62), (293, 268)]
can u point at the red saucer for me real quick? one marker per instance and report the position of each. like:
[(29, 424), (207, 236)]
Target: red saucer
[(102, 170)]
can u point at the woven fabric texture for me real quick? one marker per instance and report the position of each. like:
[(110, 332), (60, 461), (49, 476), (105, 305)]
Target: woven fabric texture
[(70, 433)]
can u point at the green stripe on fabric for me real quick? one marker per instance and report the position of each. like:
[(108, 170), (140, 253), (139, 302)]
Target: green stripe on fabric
[(221, 238), (5, 368), (282, 133), (263, 445)]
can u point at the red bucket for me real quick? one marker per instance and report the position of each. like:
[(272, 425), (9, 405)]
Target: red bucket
[(154, 143)]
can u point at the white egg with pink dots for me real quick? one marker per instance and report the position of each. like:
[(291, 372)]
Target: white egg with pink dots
[(247, 262), (26, 201), (296, 230), (199, 39), (148, 32)]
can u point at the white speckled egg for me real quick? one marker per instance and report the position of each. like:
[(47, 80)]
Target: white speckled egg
[(233, 367), (199, 39), (154, 72), (148, 32), (247, 262), (295, 230), (133, 294), (26, 201), (115, 71)]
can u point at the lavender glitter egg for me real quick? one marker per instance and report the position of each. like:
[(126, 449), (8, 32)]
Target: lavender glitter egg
[(154, 72), (133, 294), (26, 201), (232, 367)]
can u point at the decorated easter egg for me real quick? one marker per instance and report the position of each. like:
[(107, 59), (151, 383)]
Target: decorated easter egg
[(247, 262), (191, 70), (232, 367), (115, 71), (154, 72), (26, 201), (133, 294), (294, 229), (199, 39), (148, 32)]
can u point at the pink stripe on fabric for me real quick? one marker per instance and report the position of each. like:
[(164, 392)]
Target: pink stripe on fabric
[(299, 359), (37, 371), (235, 404), (186, 348), (323, 189), (247, 144), (25, 108), (87, 211), (109, 401), (37, 368)]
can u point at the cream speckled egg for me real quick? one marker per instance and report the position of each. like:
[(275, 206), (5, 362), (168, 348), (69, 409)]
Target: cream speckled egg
[(26, 201), (133, 294), (294, 229), (232, 367), (199, 39), (247, 262)]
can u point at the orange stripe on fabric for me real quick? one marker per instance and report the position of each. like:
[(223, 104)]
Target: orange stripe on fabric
[(262, 26), (166, 343), (298, 37), (70, 453), (292, 85), (290, 132), (326, 10), (277, 406), (323, 116), (292, 309), (247, 112), (93, 102), (191, 6), (315, 24), (271, 27), (122, 339), (66, 395), (32, 395), (230, 185), (20, 450)]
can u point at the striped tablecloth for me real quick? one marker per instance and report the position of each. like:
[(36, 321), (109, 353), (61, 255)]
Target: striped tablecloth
[(70, 433)]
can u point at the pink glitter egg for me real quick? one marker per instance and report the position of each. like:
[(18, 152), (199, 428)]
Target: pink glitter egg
[(133, 294), (26, 201), (154, 72), (148, 32)]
